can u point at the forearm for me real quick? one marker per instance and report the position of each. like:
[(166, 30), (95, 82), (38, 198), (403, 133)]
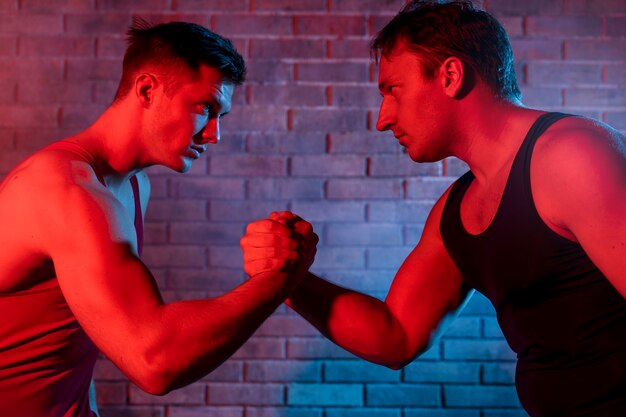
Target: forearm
[(357, 322), (191, 338)]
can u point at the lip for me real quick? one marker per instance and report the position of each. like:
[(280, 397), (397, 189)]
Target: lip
[(197, 151)]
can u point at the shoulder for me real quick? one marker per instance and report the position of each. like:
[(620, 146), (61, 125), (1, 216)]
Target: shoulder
[(578, 165)]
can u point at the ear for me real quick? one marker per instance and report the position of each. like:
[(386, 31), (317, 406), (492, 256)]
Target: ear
[(145, 88), (452, 73)]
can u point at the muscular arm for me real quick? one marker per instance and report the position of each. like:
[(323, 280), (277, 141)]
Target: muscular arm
[(392, 332), (579, 186), (115, 298)]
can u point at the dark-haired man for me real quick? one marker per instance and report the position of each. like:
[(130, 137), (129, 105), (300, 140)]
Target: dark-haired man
[(71, 282), (538, 223)]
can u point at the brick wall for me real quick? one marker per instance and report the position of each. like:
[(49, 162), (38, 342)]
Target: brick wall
[(300, 137)]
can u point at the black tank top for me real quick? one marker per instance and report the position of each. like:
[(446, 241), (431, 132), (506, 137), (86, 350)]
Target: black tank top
[(558, 312)]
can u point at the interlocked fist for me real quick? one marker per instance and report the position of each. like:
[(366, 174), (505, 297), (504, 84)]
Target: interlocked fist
[(282, 243)]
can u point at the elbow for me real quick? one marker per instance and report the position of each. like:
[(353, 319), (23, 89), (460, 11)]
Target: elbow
[(154, 380)]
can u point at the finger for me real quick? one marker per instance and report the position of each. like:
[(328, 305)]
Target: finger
[(270, 226), (269, 240), (277, 253), (258, 266)]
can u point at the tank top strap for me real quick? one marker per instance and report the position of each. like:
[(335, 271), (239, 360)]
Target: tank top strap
[(538, 128), (138, 215)]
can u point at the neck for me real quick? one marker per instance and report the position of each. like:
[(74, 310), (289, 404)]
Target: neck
[(490, 135), (113, 141)]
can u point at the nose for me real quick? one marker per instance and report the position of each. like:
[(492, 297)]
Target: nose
[(211, 131), (386, 116)]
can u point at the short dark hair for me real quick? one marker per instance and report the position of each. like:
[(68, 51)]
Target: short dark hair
[(177, 49), (437, 30)]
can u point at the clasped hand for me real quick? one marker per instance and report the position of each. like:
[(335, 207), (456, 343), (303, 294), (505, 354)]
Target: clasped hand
[(284, 242)]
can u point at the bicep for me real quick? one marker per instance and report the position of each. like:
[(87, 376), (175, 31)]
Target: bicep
[(109, 290), (583, 187), (428, 286)]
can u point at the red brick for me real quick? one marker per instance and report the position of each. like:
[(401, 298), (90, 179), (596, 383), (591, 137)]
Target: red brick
[(287, 143), (249, 393), (595, 97), (205, 411), (80, 116), (98, 23), (339, 258), (8, 45), (369, 188), (328, 165), (205, 232), (541, 96), (253, 25), (330, 211), (213, 188), (528, 7), (104, 91), (261, 348), (400, 165), (28, 116), (212, 5), (290, 6), (536, 49), (32, 138), (288, 95), (177, 210), (287, 48), (392, 6), (387, 257), (112, 47), (8, 92), (9, 6), (137, 5), (225, 256), (94, 69), (427, 188), (66, 45), (329, 120), (281, 412), (285, 188), (284, 371), (131, 411), (563, 26), (334, 72), (268, 70), (31, 23), (363, 142), (44, 92), (596, 50), (281, 325), (154, 233), (363, 234), (193, 394), (246, 211), (361, 96), (157, 17), (256, 118), (315, 348), (57, 6), (596, 7), (229, 371), (513, 25), (173, 256), (215, 279), (401, 212), (111, 393), (563, 73), (248, 165), (105, 370), (349, 48), (616, 26), (47, 69), (331, 26)]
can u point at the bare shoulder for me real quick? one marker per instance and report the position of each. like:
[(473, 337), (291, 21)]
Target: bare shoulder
[(577, 165)]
